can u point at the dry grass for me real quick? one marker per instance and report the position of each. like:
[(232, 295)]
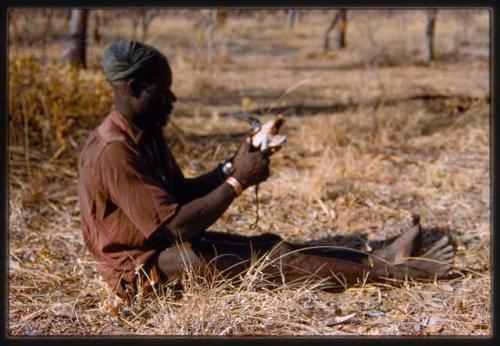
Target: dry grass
[(359, 170)]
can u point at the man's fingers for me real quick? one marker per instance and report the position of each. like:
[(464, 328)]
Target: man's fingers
[(245, 146), (267, 152)]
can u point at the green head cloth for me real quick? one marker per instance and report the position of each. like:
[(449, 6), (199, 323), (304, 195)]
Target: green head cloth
[(125, 59)]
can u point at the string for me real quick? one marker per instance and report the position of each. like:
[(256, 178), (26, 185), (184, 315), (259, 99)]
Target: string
[(254, 225)]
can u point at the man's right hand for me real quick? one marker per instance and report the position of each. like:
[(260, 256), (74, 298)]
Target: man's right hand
[(251, 165)]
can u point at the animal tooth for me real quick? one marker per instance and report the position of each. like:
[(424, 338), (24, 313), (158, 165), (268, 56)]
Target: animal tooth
[(277, 141)]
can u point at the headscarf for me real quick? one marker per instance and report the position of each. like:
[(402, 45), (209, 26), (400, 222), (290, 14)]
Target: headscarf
[(123, 59)]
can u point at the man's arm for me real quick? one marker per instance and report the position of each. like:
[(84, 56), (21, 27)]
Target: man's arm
[(251, 167), (198, 187), (194, 217)]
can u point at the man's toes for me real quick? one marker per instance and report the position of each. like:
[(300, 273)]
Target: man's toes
[(438, 245), (448, 255), (445, 240), (439, 253), (448, 249)]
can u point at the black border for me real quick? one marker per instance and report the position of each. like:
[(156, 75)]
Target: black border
[(495, 190)]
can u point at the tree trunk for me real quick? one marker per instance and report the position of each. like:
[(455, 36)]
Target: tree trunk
[(212, 15), (428, 53), (96, 30), (464, 40), (68, 15), (46, 33), (48, 17), (135, 22), (290, 18), (340, 41), (15, 31), (147, 18), (339, 20), (78, 36)]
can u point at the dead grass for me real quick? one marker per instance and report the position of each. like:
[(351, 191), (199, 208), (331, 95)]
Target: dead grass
[(357, 173)]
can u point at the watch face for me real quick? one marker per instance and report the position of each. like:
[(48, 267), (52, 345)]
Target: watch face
[(227, 168)]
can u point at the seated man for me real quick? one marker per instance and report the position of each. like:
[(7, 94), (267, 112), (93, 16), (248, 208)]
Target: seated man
[(139, 211)]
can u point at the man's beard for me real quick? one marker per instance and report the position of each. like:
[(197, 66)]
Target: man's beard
[(164, 120)]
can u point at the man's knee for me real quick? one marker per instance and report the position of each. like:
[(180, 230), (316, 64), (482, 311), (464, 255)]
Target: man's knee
[(175, 260)]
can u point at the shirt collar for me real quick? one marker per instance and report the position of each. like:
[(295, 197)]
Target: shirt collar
[(126, 126)]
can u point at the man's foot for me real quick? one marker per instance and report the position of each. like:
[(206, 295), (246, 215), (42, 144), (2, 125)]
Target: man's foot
[(434, 263), (406, 245), (396, 257)]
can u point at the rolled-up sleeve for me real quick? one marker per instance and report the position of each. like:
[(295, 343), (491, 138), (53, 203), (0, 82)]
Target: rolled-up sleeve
[(132, 187)]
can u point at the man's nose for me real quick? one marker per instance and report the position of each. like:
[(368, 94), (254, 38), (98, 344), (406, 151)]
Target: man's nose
[(171, 96)]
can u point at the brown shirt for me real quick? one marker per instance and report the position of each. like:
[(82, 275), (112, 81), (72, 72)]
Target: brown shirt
[(126, 185)]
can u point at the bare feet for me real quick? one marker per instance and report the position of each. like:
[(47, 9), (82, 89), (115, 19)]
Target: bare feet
[(406, 245), (434, 263), (403, 258)]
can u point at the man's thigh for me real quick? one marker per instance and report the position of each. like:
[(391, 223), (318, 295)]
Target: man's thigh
[(231, 248), (226, 252)]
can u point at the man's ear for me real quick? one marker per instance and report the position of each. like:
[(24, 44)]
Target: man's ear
[(134, 87)]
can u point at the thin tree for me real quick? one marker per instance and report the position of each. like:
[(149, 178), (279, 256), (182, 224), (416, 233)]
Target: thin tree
[(290, 18), (428, 52), (48, 25), (340, 21), (47, 13), (13, 24), (465, 16), (96, 29), (134, 15), (147, 17), (76, 53), (212, 15)]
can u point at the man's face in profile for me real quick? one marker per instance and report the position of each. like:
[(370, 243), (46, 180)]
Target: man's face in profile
[(157, 98)]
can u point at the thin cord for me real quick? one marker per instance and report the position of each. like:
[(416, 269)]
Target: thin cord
[(254, 225)]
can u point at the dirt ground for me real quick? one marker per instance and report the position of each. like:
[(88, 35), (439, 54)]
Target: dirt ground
[(374, 135)]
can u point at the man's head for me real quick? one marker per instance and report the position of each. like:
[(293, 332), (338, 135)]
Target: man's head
[(141, 78)]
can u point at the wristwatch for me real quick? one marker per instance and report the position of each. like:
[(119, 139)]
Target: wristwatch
[(227, 168)]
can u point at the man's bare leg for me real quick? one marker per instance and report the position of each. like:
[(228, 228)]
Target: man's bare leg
[(402, 258), (395, 260), (175, 260)]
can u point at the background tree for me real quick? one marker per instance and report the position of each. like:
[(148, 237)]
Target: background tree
[(340, 21), (206, 25), (290, 18), (145, 17), (48, 13), (76, 53), (96, 28), (212, 15), (14, 38), (428, 52)]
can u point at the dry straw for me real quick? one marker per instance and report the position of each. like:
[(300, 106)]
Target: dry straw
[(350, 178)]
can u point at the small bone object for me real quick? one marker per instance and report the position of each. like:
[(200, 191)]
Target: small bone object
[(268, 135)]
